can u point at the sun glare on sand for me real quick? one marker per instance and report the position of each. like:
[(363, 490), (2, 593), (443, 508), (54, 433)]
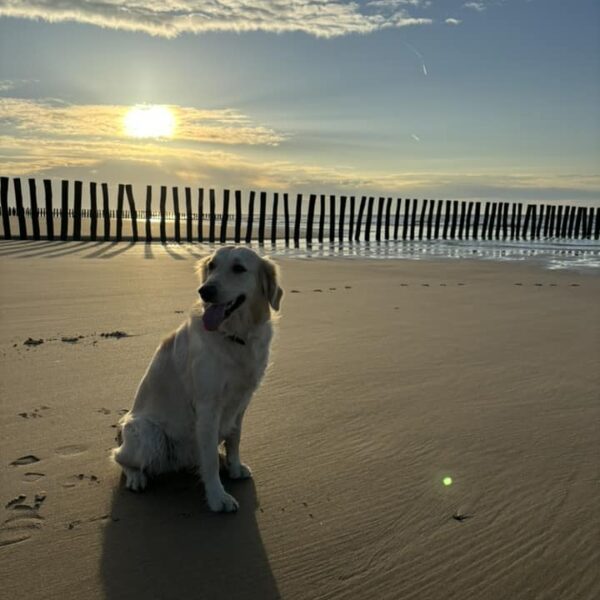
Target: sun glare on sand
[(149, 122)]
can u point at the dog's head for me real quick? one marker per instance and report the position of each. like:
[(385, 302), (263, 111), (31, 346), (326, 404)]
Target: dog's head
[(236, 281)]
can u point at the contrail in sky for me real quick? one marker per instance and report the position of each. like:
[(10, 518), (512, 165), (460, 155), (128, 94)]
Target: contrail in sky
[(418, 54)]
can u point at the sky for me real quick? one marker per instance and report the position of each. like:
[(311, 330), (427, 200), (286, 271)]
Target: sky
[(494, 99)]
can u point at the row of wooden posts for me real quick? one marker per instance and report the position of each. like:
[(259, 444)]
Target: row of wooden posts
[(433, 219)]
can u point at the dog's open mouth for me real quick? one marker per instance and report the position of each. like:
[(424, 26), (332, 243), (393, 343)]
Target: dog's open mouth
[(215, 314)]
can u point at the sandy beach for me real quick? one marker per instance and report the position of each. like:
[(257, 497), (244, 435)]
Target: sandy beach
[(387, 377)]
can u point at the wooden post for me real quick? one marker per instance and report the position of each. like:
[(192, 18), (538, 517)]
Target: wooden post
[(274, 218), (413, 220), (519, 219), (188, 214), (527, 219), (212, 216), (369, 219), (261, 217), (225, 217), (351, 228), (177, 214), (311, 217), (513, 221), (547, 220), (120, 198), (422, 218), (397, 218), (49, 209), (406, 219), (297, 218), (388, 210), (238, 216), (133, 211), (77, 211), (322, 219), (552, 219), (490, 234), (438, 219), (201, 214), (332, 218), (577, 223), (361, 211), (148, 213), (4, 202), (93, 211), (430, 218), (163, 216), (538, 220), (476, 221), (286, 215), (486, 220), (454, 219), (64, 210), (105, 211), (468, 221), (597, 225), (499, 220), (590, 223), (565, 222), (461, 222), (447, 216), (342, 218), (572, 222), (250, 217), (20, 209), (34, 209), (505, 221), (379, 218)]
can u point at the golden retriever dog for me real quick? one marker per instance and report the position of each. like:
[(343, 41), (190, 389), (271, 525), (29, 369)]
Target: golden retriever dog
[(201, 379)]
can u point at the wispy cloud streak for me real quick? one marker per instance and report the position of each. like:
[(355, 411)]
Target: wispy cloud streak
[(321, 18)]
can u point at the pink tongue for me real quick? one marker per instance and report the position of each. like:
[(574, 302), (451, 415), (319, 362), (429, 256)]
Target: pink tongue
[(213, 316)]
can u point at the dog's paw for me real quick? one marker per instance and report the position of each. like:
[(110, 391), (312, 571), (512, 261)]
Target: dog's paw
[(135, 480), (239, 471), (223, 502)]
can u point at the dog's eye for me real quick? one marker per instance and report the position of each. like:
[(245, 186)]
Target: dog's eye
[(211, 266), (238, 269)]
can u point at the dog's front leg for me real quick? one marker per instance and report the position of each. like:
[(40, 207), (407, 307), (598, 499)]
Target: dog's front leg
[(235, 468), (207, 431)]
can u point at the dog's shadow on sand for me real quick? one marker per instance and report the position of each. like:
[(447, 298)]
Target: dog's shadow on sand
[(166, 544)]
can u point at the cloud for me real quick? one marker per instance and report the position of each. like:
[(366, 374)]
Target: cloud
[(54, 118), (453, 21), (321, 18), (478, 6), (153, 163)]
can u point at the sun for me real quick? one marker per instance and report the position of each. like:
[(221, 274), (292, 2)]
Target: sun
[(149, 121)]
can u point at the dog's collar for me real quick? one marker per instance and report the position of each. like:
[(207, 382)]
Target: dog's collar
[(236, 339)]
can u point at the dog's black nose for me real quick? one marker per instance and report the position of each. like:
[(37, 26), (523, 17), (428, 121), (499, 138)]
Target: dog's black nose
[(208, 293)]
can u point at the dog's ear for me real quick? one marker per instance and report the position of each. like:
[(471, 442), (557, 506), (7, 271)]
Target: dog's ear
[(270, 283), (202, 268)]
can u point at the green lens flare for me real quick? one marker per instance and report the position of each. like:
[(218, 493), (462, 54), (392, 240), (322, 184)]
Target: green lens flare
[(447, 481)]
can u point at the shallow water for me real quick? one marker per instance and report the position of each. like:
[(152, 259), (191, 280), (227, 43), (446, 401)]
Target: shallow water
[(581, 255)]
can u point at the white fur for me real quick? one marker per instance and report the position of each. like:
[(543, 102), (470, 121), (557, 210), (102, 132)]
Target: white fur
[(199, 383)]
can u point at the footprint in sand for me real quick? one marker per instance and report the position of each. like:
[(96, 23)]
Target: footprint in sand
[(318, 290), (332, 289), (104, 411), (32, 476), (80, 479), (25, 460), (294, 291), (347, 287), (23, 521), (71, 450), (35, 414)]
